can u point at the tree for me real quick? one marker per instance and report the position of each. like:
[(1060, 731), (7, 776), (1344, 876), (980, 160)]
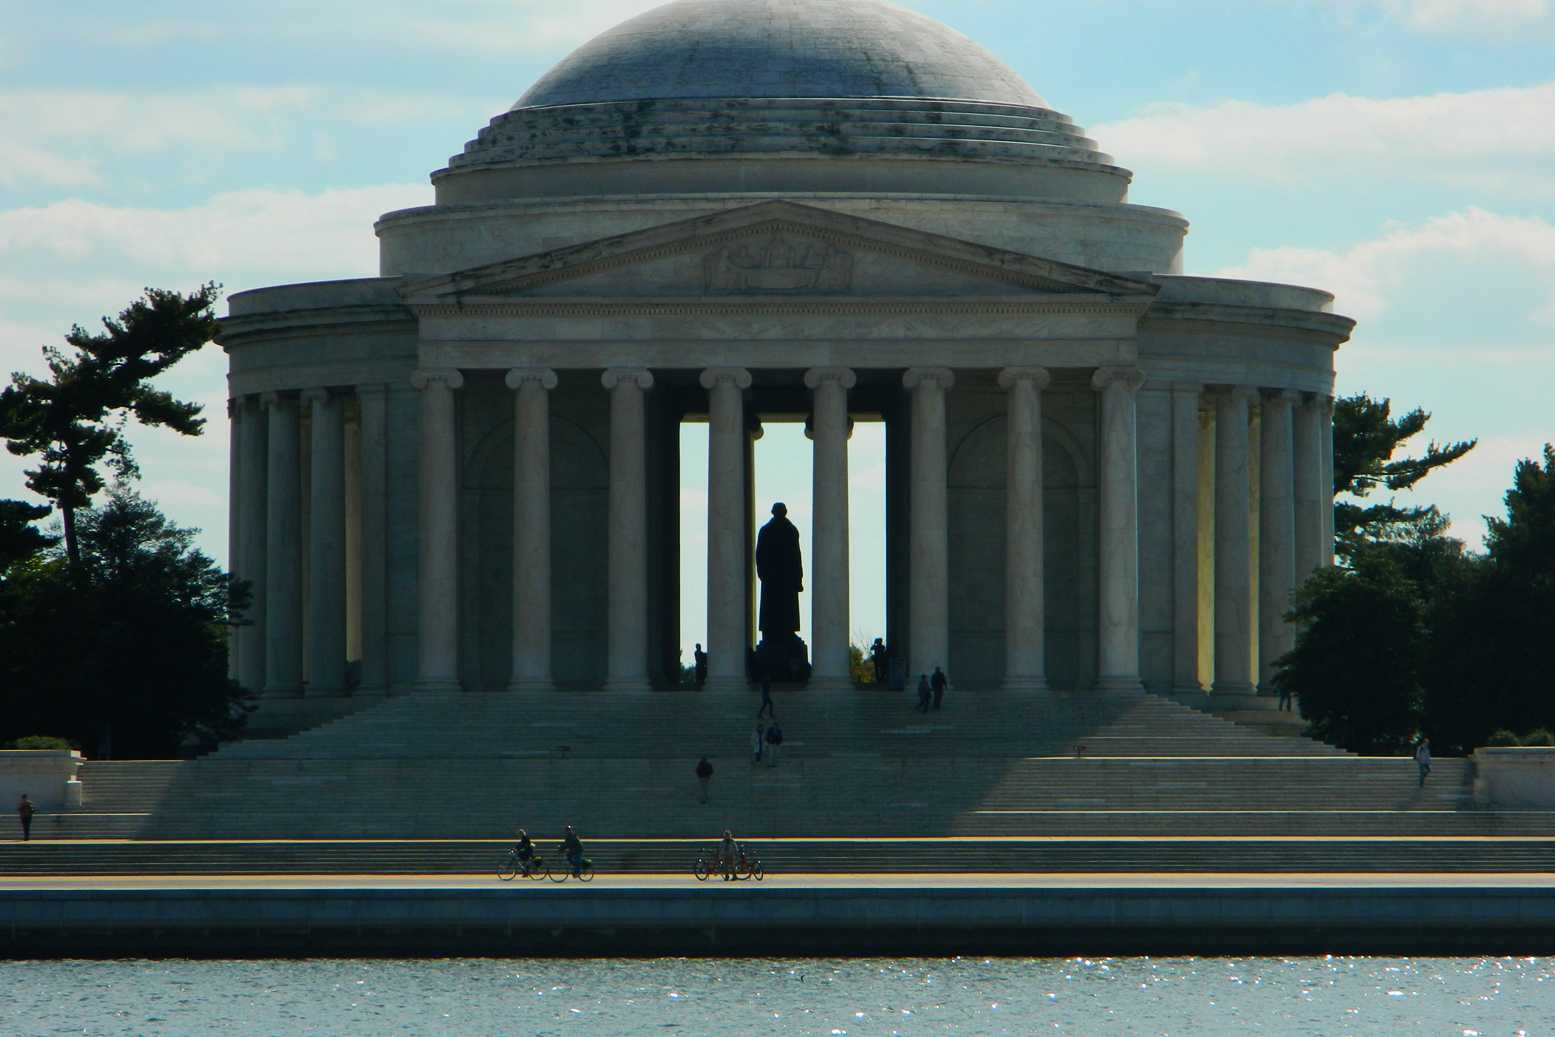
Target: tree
[(127, 652), (19, 538), (1357, 668), (74, 420), (1366, 437)]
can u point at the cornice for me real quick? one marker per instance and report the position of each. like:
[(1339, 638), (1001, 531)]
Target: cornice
[(1328, 324), (1084, 306), (231, 329)]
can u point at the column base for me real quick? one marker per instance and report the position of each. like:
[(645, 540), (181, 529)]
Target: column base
[(726, 685), (1233, 688), (1033, 682), (1119, 682), (819, 683), (282, 692), (627, 684), (438, 684), (530, 685)]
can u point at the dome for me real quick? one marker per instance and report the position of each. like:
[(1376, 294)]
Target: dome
[(779, 48)]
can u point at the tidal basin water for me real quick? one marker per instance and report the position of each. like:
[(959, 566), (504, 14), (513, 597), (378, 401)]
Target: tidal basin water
[(1461, 997)]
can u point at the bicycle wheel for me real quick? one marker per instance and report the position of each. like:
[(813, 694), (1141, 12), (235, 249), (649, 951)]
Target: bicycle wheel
[(538, 870), (560, 874), (700, 870), (508, 869), (586, 873), (758, 872)]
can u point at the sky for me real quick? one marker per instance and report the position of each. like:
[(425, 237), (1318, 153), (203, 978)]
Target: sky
[(1399, 153)]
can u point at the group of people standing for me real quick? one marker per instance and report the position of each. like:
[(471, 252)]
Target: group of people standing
[(931, 690)]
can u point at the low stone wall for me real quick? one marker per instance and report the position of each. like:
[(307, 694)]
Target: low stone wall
[(1514, 778), (47, 776)]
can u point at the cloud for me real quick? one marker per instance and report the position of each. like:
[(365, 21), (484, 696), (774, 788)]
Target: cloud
[(63, 138), (1448, 15), (1447, 136), (1367, 277)]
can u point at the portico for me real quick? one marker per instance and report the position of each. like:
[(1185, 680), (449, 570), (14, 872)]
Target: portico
[(463, 474)]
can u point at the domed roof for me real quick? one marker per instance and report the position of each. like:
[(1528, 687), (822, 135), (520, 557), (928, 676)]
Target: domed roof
[(693, 49)]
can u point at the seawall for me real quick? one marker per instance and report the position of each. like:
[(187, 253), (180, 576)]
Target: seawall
[(520, 921)]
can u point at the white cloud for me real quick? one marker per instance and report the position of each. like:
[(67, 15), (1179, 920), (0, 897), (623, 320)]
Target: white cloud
[(1448, 15), (62, 138), (1367, 277), (1508, 132)]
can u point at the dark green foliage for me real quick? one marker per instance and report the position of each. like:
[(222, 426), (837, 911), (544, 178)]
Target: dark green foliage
[(1539, 736), (36, 742), (1359, 658), (124, 654), (1502, 739), (1365, 438), (19, 538), (73, 420)]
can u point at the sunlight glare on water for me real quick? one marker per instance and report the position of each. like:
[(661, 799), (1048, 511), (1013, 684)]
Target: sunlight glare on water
[(1150, 997)]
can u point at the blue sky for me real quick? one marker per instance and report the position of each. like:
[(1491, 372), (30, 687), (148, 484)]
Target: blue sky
[(1400, 153)]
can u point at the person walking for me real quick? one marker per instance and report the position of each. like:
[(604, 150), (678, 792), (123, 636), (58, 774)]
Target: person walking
[(758, 742), (1423, 759), (766, 698), (877, 656), (924, 694), (699, 661), (1285, 699), (704, 778), (24, 811), (774, 741), (938, 683)]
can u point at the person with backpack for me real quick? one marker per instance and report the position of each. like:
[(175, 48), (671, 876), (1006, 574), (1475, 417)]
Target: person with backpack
[(704, 777), (774, 740)]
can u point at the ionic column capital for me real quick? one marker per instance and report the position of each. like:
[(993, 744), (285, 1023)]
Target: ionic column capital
[(1245, 393), (1041, 377), (713, 377), (1325, 405), (942, 377), (314, 395), (638, 376), (842, 375), (542, 376), (451, 377), (1289, 397), (1188, 389), (371, 389), (271, 400), (1127, 378)]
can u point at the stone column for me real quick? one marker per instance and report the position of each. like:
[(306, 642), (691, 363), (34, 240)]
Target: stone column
[(1276, 532), (1025, 643), (234, 528), (353, 473), (728, 638), (627, 666), (1233, 544), (929, 578), (1185, 537), (1310, 498), (437, 577), (531, 527), (283, 556), (1325, 431), (829, 608), (374, 460), (1118, 521), (326, 543), (253, 468)]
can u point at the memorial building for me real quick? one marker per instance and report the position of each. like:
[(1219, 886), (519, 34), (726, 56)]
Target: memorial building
[(463, 473)]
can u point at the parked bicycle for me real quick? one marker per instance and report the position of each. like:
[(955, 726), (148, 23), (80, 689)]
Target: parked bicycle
[(746, 867)]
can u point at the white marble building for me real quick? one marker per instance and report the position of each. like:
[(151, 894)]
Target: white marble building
[(464, 472)]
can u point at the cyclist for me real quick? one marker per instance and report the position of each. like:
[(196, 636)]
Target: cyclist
[(572, 849), (728, 855), (525, 850)]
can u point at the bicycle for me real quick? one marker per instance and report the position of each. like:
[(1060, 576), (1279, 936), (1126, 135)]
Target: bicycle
[(746, 867), (585, 871), (513, 866)]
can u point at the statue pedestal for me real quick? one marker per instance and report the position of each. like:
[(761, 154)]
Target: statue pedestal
[(781, 661)]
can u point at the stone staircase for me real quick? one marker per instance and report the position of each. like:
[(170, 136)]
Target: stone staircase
[(1076, 781)]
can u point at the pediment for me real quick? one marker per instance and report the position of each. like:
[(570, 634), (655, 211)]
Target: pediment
[(773, 250)]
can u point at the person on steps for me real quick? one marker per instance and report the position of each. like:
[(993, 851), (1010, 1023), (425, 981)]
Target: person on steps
[(938, 683), (924, 694), (758, 740), (774, 740), (704, 777), (1423, 759), (24, 811)]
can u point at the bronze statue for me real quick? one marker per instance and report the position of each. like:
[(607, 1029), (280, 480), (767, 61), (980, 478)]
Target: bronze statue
[(780, 568)]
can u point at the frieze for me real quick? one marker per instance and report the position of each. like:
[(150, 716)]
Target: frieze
[(781, 306)]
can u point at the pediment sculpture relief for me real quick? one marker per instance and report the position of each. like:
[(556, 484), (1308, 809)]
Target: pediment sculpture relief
[(777, 263)]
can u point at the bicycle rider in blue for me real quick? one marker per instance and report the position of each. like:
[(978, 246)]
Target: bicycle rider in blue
[(572, 849)]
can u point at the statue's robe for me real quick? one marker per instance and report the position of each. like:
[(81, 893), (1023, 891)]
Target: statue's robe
[(780, 569)]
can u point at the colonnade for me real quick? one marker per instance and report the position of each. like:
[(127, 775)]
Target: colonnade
[(1295, 524)]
